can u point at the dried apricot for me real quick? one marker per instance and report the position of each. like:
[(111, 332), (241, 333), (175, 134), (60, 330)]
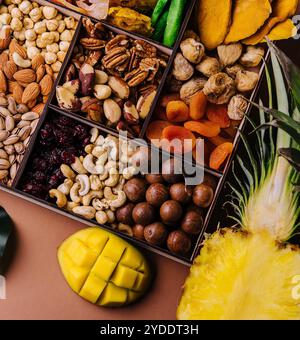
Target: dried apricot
[(177, 139), (205, 128), (198, 105), (199, 152), (218, 114), (167, 98), (155, 130), (219, 155), (177, 112)]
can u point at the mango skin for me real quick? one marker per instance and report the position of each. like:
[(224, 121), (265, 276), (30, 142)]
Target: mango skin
[(103, 269)]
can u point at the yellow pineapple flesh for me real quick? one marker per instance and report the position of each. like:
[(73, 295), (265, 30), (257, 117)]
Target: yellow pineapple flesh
[(240, 275)]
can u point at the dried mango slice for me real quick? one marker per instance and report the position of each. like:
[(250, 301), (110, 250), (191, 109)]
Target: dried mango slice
[(214, 18), (103, 269), (282, 9), (248, 17), (283, 30)]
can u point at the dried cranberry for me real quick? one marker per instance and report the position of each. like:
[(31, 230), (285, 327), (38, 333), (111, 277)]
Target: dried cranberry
[(63, 121), (80, 132), (39, 176), (40, 164), (67, 157), (35, 189), (86, 141)]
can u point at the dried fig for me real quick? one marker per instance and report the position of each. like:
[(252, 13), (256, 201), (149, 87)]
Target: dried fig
[(192, 50), (182, 69), (219, 88)]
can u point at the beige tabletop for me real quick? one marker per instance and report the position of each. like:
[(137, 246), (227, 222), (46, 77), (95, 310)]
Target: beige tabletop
[(36, 288)]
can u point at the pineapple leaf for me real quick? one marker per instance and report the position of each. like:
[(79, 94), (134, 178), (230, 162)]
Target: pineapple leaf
[(292, 155), (290, 70)]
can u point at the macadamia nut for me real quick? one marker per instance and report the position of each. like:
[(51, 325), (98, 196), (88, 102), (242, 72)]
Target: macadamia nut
[(32, 52), (30, 35), (64, 46), (66, 35), (28, 23), (52, 48), (25, 7), (40, 27), (49, 12), (50, 58), (16, 24), (35, 14), (70, 22), (52, 25)]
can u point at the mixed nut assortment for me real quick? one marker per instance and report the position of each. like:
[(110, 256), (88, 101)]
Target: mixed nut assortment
[(113, 79), (33, 43), (205, 98)]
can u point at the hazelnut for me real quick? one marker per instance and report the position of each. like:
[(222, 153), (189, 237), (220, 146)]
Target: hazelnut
[(203, 196), (143, 214), (152, 179), (192, 222), (172, 171), (157, 194), (156, 234), (124, 214), (64, 46), (138, 231), (171, 212), (179, 242), (181, 193), (135, 190)]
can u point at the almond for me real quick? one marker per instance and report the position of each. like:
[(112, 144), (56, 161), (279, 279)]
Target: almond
[(46, 85), (45, 98), (31, 104), (9, 69), (39, 108), (37, 61), (30, 93), (25, 76), (40, 72), (4, 57), (49, 70), (15, 47), (17, 93), (4, 37), (11, 86), (3, 83)]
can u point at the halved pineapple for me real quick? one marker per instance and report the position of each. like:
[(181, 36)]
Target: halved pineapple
[(245, 276)]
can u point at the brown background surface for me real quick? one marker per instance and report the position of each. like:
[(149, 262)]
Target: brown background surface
[(36, 288)]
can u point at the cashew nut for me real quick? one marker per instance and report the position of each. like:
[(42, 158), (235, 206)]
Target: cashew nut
[(113, 179), (86, 201), (101, 217), (71, 205), (84, 183), (115, 201), (74, 193), (19, 61), (91, 167), (89, 148), (126, 229), (95, 182), (86, 212), (127, 150), (78, 167), (99, 204), (94, 135), (100, 153), (66, 186), (120, 185), (111, 216), (130, 172), (100, 140), (61, 199), (67, 171), (112, 143)]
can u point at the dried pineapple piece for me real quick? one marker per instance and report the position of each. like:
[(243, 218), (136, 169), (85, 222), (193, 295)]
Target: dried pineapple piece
[(284, 30), (248, 17), (130, 20), (102, 268), (214, 18), (282, 10)]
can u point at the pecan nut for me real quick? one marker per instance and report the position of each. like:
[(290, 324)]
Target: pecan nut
[(136, 77), (93, 30), (118, 41), (92, 43), (94, 57), (144, 50), (115, 57)]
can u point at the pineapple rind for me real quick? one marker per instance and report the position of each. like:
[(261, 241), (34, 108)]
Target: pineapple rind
[(242, 276)]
